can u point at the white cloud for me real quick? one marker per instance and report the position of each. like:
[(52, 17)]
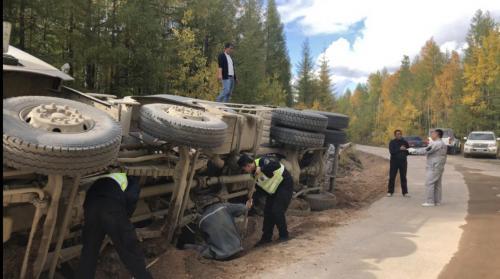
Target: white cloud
[(392, 28)]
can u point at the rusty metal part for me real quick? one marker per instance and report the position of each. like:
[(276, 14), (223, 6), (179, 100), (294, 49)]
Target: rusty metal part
[(182, 170), (147, 158), (64, 226), (124, 153), (54, 187), (227, 179), (7, 228), (22, 195), (13, 173), (57, 118), (36, 197), (333, 175), (39, 206), (150, 170), (186, 199)]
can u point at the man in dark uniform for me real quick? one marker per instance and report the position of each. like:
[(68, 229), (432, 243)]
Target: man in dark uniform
[(109, 204), (398, 147), (274, 182)]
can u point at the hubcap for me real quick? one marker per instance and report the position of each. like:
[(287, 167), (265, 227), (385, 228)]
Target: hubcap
[(186, 113), (57, 118)]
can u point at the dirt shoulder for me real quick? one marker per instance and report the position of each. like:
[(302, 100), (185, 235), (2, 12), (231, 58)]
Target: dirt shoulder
[(357, 189), (478, 251)]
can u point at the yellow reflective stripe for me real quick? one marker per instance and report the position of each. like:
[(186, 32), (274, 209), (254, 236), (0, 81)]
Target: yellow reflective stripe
[(270, 185), (120, 178)]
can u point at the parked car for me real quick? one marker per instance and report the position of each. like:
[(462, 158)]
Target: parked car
[(415, 141), (481, 143), (449, 139)]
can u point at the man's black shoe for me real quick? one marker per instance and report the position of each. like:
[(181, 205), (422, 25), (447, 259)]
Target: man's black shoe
[(262, 242), (284, 239)]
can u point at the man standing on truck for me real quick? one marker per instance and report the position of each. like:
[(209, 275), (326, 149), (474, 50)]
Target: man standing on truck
[(274, 182), (398, 149), (226, 73), (108, 205), (436, 159)]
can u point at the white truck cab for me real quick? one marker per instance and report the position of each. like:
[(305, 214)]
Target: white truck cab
[(481, 143)]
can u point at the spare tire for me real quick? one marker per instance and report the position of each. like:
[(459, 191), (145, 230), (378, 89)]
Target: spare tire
[(335, 120), (300, 120), (335, 136), (182, 125), (296, 137), (321, 201), (50, 135)]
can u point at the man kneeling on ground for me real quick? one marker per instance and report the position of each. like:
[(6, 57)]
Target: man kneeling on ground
[(223, 241)]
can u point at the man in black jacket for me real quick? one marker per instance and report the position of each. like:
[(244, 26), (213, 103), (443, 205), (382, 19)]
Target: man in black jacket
[(226, 73), (109, 204), (276, 183), (398, 149)]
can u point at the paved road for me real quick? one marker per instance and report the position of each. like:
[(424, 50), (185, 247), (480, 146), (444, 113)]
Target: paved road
[(400, 239)]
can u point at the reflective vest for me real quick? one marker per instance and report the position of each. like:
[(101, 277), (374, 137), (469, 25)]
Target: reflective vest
[(120, 178), (269, 184)]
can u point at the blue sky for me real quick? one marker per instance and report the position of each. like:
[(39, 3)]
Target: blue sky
[(361, 36)]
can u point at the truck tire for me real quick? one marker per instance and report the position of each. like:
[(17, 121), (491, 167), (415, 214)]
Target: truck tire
[(182, 125), (92, 147), (300, 120), (335, 120), (321, 201), (296, 137), (299, 207), (335, 136)]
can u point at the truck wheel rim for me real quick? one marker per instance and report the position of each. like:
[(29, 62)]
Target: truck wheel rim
[(57, 119), (186, 113)]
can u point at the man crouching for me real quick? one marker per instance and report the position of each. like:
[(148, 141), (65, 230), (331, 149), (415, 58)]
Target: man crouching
[(222, 239)]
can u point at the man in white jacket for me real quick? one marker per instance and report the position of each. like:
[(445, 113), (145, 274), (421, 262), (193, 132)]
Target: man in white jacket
[(436, 159)]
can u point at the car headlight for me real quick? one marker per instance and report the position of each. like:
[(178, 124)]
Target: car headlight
[(492, 144)]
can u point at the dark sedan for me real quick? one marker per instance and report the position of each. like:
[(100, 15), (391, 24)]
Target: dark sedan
[(415, 141)]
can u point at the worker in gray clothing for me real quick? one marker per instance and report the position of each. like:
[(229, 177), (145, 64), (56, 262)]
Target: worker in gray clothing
[(436, 159), (222, 238)]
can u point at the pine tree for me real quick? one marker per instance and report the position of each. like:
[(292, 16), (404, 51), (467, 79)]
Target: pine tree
[(250, 54), (305, 84), (325, 85), (277, 60), (480, 27)]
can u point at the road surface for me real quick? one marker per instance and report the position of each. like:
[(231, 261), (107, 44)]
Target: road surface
[(398, 238)]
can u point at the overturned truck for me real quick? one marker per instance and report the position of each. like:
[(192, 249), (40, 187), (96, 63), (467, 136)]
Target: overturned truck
[(58, 140)]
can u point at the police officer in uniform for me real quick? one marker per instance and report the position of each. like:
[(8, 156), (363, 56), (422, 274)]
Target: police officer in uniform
[(274, 182), (109, 203)]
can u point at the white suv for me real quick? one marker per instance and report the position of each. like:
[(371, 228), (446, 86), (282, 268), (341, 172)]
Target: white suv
[(481, 143)]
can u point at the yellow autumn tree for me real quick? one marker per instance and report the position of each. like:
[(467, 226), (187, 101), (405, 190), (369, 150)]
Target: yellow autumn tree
[(482, 83)]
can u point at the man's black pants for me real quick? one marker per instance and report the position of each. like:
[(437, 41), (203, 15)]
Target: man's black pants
[(105, 216), (275, 209), (396, 165)]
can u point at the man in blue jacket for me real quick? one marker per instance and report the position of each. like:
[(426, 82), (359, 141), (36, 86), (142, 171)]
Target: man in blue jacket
[(226, 73)]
